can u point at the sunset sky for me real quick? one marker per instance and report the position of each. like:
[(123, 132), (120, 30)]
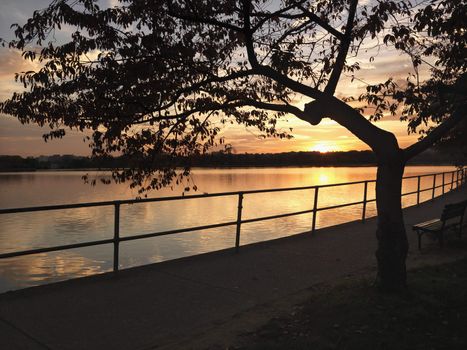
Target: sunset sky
[(26, 140)]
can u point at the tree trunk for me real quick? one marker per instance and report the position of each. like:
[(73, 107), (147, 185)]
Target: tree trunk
[(392, 238)]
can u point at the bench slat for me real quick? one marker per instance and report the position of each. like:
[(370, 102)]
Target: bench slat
[(432, 225), (425, 223)]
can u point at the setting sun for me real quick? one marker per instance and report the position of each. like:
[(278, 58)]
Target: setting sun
[(323, 147)]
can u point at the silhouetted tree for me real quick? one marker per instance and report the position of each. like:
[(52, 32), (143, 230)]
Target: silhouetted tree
[(161, 77)]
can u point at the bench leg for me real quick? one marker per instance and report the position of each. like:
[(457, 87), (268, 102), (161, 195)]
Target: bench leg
[(419, 240)]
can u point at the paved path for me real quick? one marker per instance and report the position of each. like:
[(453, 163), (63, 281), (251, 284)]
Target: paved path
[(161, 305)]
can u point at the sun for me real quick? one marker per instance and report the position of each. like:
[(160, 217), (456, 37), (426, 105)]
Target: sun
[(323, 147)]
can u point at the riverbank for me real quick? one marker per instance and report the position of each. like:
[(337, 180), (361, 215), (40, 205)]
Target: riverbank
[(205, 300)]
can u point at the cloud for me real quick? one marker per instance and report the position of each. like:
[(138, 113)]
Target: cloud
[(26, 140), (17, 11), (12, 62)]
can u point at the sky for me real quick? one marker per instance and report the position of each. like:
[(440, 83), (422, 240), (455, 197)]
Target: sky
[(26, 140)]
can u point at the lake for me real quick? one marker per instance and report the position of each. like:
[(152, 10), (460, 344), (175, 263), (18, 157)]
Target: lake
[(41, 229)]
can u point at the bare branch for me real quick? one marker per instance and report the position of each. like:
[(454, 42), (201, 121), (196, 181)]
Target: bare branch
[(249, 33), (343, 49)]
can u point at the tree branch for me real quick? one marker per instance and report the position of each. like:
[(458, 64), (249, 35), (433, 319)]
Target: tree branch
[(305, 13), (436, 134), (286, 108), (287, 82), (313, 17), (268, 71), (343, 49), (383, 143), (285, 35), (250, 49), (268, 15), (223, 79), (201, 19)]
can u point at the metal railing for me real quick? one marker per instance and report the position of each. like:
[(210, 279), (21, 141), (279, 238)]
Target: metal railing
[(458, 178)]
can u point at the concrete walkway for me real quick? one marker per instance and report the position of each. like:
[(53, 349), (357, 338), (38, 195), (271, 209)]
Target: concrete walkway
[(165, 305)]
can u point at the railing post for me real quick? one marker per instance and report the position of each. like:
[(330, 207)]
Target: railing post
[(239, 221), (443, 183), (365, 190), (116, 235), (418, 189), (457, 179), (434, 186), (452, 179), (315, 208)]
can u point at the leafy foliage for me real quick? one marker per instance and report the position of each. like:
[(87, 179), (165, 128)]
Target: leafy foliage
[(436, 36)]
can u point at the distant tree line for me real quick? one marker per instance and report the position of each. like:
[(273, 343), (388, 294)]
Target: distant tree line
[(18, 163), (217, 159), (220, 159)]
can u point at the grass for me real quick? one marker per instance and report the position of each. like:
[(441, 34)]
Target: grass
[(355, 316)]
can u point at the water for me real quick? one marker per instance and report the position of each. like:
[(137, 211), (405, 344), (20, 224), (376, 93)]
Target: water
[(41, 229)]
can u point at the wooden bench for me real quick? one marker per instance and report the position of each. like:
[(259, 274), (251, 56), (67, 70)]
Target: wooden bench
[(451, 219)]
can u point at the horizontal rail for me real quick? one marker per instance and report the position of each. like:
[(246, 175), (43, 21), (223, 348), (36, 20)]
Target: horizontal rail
[(425, 175), (55, 248), (180, 230), (409, 193), (56, 207), (429, 189), (341, 205), (278, 216)]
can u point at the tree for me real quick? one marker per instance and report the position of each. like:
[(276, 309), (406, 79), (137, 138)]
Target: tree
[(154, 80)]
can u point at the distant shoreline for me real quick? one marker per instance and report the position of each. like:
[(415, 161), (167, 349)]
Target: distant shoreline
[(221, 160), (219, 167)]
